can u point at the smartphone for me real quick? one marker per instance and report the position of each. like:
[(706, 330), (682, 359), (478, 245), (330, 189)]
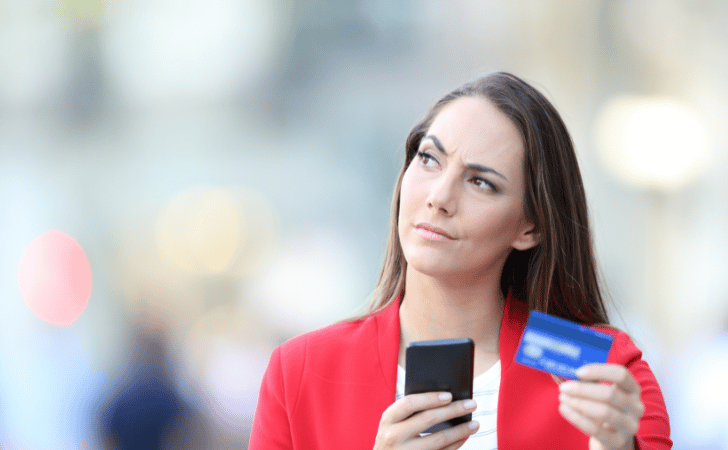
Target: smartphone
[(441, 366)]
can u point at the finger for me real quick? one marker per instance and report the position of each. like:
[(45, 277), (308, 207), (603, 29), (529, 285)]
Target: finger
[(615, 373), (603, 414), (603, 433), (607, 393), (450, 437), (413, 403), (423, 420)]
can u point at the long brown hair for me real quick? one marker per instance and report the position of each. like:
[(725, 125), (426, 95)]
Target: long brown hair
[(557, 276)]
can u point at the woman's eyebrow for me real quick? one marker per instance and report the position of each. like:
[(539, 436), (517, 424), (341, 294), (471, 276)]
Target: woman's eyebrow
[(482, 168), (437, 143), (473, 166)]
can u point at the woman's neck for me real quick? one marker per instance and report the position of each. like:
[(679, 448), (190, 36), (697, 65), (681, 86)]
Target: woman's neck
[(433, 309)]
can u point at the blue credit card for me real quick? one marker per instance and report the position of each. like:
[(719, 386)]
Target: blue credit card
[(560, 346)]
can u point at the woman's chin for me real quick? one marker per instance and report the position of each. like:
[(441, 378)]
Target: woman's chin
[(432, 268)]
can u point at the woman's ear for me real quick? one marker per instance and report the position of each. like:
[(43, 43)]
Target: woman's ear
[(527, 238)]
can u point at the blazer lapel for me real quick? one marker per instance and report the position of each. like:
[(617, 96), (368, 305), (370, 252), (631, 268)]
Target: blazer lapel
[(515, 315)]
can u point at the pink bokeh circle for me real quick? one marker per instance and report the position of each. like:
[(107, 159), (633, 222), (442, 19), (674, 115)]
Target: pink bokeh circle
[(55, 278)]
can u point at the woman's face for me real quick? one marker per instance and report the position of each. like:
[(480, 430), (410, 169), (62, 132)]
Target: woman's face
[(461, 203)]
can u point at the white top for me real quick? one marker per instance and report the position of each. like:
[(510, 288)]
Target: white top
[(485, 393)]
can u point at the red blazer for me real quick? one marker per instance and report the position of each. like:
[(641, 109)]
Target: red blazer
[(327, 389)]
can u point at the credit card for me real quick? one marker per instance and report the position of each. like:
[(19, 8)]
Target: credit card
[(560, 346)]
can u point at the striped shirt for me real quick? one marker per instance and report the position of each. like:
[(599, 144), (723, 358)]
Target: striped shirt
[(485, 393)]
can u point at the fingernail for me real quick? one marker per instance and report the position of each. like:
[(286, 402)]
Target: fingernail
[(469, 404), (474, 425), (582, 372), (445, 396), (567, 386)]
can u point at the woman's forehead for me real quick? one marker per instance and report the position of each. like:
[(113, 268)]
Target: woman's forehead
[(475, 125)]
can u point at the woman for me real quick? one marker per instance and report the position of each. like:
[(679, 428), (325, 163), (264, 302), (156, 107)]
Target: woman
[(489, 221)]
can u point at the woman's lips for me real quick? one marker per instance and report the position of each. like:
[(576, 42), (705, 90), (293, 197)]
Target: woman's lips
[(431, 232)]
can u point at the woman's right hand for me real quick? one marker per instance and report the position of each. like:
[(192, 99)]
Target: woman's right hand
[(411, 415)]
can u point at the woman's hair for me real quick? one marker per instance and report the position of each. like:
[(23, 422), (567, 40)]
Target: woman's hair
[(559, 275)]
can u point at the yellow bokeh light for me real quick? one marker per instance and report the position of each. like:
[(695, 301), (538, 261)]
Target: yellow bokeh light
[(202, 230), (208, 230)]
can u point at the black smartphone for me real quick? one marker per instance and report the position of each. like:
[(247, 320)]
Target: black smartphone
[(442, 365)]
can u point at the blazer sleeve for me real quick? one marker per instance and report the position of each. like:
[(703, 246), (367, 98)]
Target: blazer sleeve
[(654, 428), (271, 426)]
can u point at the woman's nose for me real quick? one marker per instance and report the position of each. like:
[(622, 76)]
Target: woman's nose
[(443, 194)]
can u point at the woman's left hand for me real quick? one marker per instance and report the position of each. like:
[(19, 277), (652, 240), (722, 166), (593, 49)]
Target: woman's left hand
[(608, 413)]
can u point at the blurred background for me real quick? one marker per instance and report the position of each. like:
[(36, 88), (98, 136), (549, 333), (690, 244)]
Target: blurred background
[(224, 169)]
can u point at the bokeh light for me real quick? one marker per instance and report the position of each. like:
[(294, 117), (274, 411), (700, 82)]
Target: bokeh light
[(201, 230), (208, 230), (55, 278), (651, 142), (315, 280)]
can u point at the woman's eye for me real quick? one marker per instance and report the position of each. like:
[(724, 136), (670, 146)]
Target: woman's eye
[(482, 183), (426, 159)]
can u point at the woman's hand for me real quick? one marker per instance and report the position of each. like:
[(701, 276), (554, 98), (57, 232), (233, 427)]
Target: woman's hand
[(405, 419), (609, 413)]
